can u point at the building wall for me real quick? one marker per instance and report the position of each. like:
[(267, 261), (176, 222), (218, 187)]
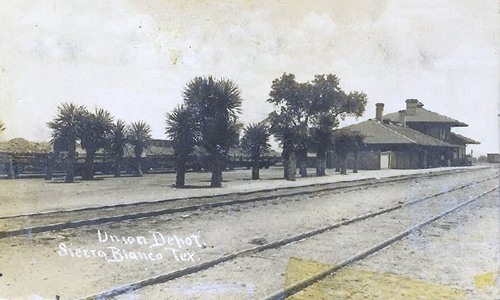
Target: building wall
[(493, 158), (406, 160), (400, 157), (370, 160), (161, 143), (438, 131), (367, 160)]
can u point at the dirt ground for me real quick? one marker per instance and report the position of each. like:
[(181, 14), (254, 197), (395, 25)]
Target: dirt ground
[(30, 196), (256, 276), (457, 257), (41, 266)]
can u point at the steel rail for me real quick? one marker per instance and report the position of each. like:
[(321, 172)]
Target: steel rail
[(201, 206), (365, 181), (302, 284), (273, 245)]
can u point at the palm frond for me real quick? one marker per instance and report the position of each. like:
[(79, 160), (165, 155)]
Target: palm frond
[(214, 106), (97, 129), (67, 126), (255, 140), (182, 129), (139, 136), (118, 138)]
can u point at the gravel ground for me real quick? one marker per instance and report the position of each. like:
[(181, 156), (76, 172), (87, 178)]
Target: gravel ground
[(42, 266), (236, 279), (457, 257), (30, 196)]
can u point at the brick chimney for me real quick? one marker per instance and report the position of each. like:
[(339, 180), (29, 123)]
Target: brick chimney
[(379, 112), (411, 107), (402, 118)]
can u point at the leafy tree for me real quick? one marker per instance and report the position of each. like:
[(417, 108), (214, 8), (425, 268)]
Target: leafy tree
[(118, 141), (357, 145), (344, 142), (330, 104), (287, 137), (306, 114), (182, 130), (139, 136), (66, 128), (289, 119), (302, 149), (215, 105), (97, 128), (2, 127), (255, 143), (322, 140)]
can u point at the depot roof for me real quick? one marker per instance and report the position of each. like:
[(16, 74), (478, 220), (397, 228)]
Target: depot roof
[(375, 132)]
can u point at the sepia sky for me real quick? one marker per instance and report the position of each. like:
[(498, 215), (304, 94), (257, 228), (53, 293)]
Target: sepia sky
[(135, 57)]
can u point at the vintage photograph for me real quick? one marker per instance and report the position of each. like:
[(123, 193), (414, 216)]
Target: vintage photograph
[(246, 149)]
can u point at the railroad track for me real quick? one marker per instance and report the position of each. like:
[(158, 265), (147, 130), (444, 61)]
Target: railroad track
[(440, 202), (28, 224), (304, 283)]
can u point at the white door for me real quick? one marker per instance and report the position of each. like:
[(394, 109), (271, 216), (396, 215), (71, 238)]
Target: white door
[(385, 160)]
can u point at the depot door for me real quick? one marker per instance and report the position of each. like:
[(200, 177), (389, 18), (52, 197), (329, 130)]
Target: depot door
[(385, 160)]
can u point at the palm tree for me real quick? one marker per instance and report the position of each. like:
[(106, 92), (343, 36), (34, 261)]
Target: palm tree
[(181, 128), (97, 129), (57, 148), (139, 136), (66, 128), (215, 105), (255, 143), (118, 140)]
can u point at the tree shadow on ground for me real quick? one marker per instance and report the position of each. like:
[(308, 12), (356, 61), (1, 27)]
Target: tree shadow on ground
[(61, 180), (262, 179), (191, 186)]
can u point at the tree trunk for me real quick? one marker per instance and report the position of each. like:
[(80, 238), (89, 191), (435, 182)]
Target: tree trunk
[(180, 177), (329, 160), (292, 167), (337, 162), (320, 163), (216, 180), (286, 168), (302, 157), (88, 170), (10, 168), (355, 166), (70, 164), (118, 166), (255, 168), (343, 160), (50, 166), (15, 168), (180, 169), (286, 163), (138, 168)]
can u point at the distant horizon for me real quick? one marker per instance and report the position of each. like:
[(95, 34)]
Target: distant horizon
[(134, 58), (276, 147)]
